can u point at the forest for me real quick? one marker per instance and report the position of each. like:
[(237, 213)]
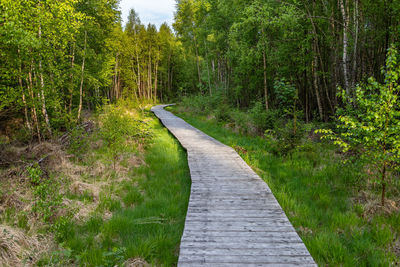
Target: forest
[(58, 59), (283, 82)]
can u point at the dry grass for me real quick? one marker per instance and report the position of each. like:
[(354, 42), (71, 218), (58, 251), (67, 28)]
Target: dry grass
[(19, 249), (23, 247), (137, 262)]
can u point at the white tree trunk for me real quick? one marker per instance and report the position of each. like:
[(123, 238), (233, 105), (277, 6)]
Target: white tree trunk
[(82, 78), (345, 45)]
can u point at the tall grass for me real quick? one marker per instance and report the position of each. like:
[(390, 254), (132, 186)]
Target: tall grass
[(318, 192), (148, 209)]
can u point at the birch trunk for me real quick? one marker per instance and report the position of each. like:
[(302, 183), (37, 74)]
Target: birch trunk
[(82, 77), (197, 59), (43, 98), (208, 70), (34, 113), (345, 45), (356, 23), (28, 124), (71, 77)]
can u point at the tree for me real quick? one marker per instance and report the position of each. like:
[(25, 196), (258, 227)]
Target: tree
[(371, 122)]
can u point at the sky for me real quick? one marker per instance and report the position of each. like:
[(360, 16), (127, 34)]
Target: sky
[(150, 11)]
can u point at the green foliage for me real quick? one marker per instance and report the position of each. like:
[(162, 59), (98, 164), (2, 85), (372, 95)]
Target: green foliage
[(259, 117), (133, 197), (114, 257), (286, 139), (221, 113), (285, 94), (371, 122), (118, 127), (45, 191), (42, 53), (79, 142), (242, 121)]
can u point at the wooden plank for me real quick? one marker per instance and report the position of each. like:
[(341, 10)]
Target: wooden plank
[(244, 251), (233, 219), (243, 259)]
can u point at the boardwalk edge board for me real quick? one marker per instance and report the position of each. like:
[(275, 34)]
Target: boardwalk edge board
[(233, 219)]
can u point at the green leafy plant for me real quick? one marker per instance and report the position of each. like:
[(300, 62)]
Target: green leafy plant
[(117, 127), (259, 116), (47, 197), (371, 122)]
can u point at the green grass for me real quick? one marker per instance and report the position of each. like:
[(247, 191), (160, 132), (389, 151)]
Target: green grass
[(147, 219), (316, 190)]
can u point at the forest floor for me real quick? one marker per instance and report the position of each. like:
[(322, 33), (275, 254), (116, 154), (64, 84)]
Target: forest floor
[(103, 194), (334, 205)]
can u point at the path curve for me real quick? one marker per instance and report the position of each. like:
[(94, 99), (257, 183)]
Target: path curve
[(233, 219)]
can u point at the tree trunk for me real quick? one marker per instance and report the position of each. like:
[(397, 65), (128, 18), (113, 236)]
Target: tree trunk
[(356, 23), (383, 184), (82, 78), (265, 73), (34, 114), (138, 72), (43, 98), (150, 83), (169, 73), (315, 81), (27, 122), (71, 77), (208, 70), (155, 83), (345, 46), (197, 59), (115, 85)]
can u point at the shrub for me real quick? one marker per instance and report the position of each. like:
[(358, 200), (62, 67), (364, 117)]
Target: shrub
[(370, 123), (117, 127), (258, 116), (284, 138), (46, 193), (241, 120), (263, 119), (222, 112)]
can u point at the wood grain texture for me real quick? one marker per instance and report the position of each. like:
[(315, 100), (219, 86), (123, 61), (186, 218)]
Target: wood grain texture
[(233, 219)]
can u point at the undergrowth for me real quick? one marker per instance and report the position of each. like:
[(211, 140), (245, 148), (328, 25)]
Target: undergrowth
[(112, 192), (147, 207)]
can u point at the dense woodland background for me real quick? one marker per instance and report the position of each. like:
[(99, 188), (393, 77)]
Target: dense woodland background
[(59, 58)]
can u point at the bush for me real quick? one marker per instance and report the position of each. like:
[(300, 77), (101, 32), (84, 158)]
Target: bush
[(222, 112), (258, 116), (205, 104), (46, 193), (241, 120), (117, 127), (284, 137)]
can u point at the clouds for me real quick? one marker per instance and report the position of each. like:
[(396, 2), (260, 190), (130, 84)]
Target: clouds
[(150, 11)]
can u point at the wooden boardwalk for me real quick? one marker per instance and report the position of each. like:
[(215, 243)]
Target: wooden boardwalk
[(233, 219)]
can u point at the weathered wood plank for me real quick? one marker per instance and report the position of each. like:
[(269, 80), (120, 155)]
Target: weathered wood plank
[(244, 251), (233, 219), (249, 259)]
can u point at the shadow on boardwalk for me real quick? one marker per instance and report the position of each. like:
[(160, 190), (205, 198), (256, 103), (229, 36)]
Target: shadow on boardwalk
[(233, 219)]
